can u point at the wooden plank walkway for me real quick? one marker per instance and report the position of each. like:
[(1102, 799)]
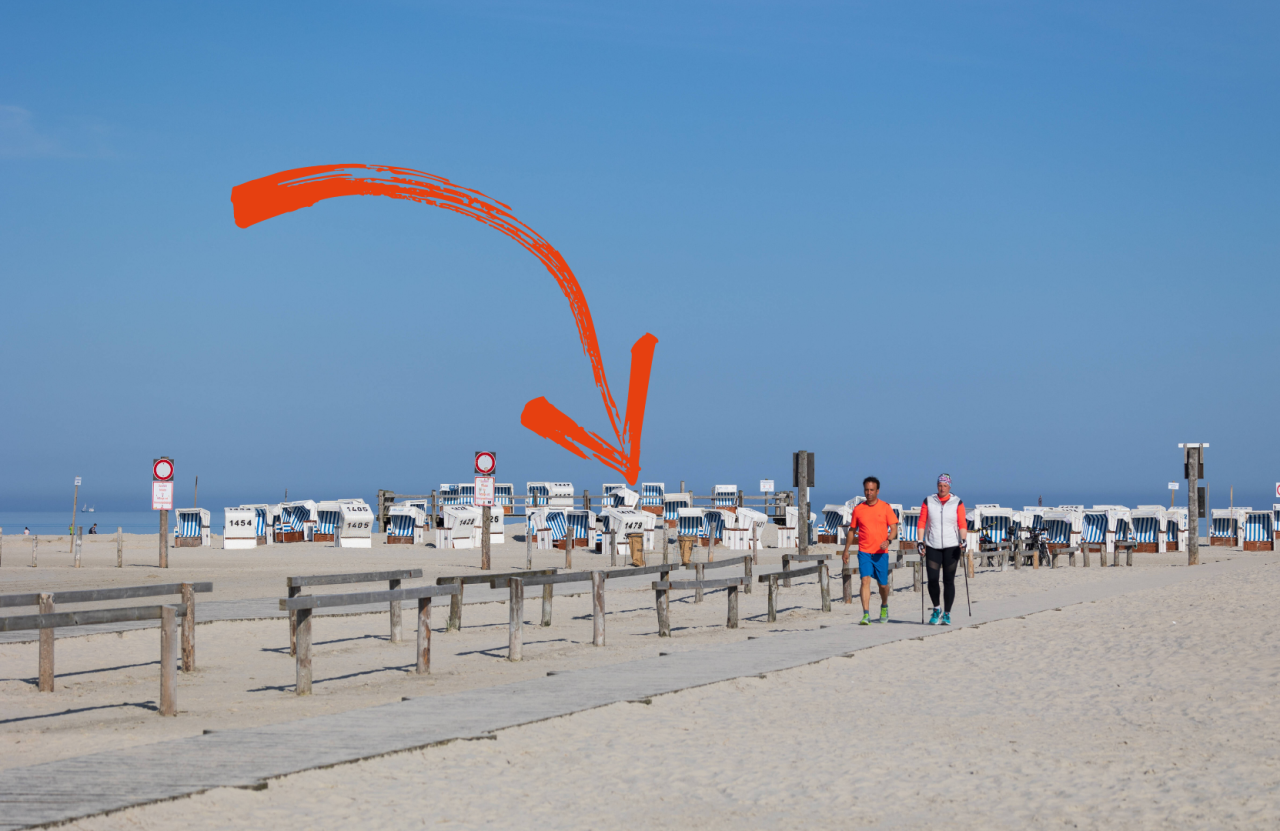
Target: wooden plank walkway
[(100, 782)]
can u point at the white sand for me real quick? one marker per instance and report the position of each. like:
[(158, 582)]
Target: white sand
[(1156, 709)]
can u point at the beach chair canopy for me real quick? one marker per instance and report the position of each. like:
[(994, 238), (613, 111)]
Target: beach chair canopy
[(673, 502), (1257, 525), (996, 522), (191, 522), (689, 522), (724, 496), (834, 517), (504, 494), (909, 525), (404, 518), (652, 494)]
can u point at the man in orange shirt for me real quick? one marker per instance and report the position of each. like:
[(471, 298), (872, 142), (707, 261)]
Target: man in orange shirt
[(875, 525)]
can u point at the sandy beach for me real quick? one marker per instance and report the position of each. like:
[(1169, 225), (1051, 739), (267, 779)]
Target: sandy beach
[(1152, 709)]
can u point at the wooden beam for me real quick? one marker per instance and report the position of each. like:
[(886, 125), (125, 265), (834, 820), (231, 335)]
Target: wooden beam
[(102, 595), (168, 661), (356, 577), (324, 601)]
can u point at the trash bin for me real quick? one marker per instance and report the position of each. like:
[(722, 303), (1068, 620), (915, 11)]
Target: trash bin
[(192, 528)]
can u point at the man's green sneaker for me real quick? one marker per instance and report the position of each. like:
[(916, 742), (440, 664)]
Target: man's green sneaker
[(866, 619), (884, 614)]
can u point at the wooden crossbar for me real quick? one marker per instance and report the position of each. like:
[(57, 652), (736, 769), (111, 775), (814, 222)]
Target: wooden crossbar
[(469, 579), (324, 601), (685, 585), (88, 617), (799, 558), (732, 561), (100, 595), (781, 575), (356, 577)]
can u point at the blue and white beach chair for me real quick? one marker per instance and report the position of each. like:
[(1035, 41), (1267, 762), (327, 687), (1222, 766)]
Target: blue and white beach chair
[(724, 496), (1227, 528), (406, 524), (192, 529), (671, 505), (833, 525), (1148, 529), (1258, 534)]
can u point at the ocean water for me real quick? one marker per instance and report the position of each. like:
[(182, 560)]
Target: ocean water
[(46, 523)]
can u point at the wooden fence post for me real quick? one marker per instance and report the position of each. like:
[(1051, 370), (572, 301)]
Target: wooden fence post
[(35, 543), (846, 584), (168, 661), (303, 683), (293, 591), (732, 622), (773, 598), (397, 616), (79, 544), (786, 567), (663, 604), (189, 628), (455, 610), (424, 636), (485, 562), (119, 547), (547, 590), (46, 646), (528, 546), (613, 547), (1085, 548), (597, 608), (699, 570), (662, 529), (824, 585), (569, 540), (515, 624), (746, 568), (968, 563)]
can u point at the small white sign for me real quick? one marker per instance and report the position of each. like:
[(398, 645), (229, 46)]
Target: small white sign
[(766, 486), (77, 481), (484, 492), (1173, 486), (162, 496)]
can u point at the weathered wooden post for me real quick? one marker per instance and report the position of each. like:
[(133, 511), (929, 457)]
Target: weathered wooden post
[(164, 538), (189, 628), (662, 529), (803, 481), (46, 646), (546, 603), (773, 598), (303, 670), (824, 585), (1193, 467), (732, 622), (613, 546), (917, 575), (846, 584), (79, 545), (515, 620), (424, 636), (663, 604), (786, 568), (433, 512), (597, 608), (746, 571), (35, 543), (293, 591), (484, 538), (168, 661), (528, 543), (397, 624), (119, 547), (568, 549), (699, 570)]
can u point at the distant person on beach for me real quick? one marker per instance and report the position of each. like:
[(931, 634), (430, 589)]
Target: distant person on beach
[(942, 543), (875, 525), (26, 532), (93, 529)]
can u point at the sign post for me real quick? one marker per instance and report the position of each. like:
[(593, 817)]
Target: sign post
[(1193, 470), (162, 501), (802, 475), (1173, 486), (75, 506), (486, 466)]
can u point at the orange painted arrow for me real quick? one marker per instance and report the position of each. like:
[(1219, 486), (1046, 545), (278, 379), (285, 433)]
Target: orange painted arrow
[(303, 187)]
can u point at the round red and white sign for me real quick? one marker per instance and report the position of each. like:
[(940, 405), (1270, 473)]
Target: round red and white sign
[(486, 463), (162, 470)]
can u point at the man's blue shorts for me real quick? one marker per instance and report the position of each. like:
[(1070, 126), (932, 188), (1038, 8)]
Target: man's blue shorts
[(874, 565)]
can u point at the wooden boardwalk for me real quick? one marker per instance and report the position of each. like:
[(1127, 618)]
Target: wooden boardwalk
[(107, 781)]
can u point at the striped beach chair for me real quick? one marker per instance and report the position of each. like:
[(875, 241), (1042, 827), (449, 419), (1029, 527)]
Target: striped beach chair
[(833, 525), (328, 514), (1226, 528), (504, 496), (406, 524), (450, 495), (652, 495), (1258, 534), (1032, 517), (1060, 526), (997, 523), (671, 505), (714, 521), (690, 522), (1147, 529), (1097, 528), (238, 528), (724, 496), (583, 525), (909, 525), (192, 528), (1176, 528), (1275, 519), (609, 488)]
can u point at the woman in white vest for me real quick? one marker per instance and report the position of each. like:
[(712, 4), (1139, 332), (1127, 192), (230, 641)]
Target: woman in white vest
[(942, 543)]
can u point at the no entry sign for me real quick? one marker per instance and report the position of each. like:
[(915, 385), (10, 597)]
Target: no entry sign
[(162, 469), (486, 463)]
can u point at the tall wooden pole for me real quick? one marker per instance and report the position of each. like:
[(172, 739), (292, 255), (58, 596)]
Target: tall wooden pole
[(484, 538), (164, 538), (802, 489), (1193, 506), (75, 502)]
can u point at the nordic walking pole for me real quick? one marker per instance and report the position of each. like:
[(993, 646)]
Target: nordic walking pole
[(965, 566), (923, 579)]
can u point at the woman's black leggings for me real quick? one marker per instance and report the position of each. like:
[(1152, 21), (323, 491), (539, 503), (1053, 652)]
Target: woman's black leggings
[(942, 560)]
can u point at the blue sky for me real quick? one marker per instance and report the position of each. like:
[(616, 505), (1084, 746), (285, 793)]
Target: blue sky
[(1032, 244)]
